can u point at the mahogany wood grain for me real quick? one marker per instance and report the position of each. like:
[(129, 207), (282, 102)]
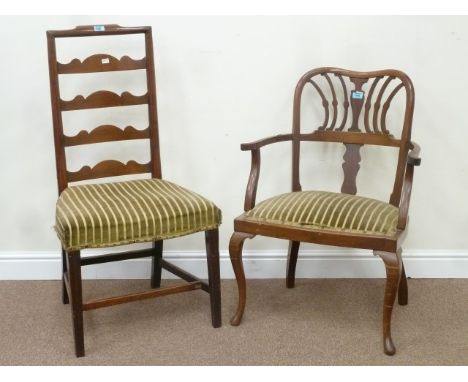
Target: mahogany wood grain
[(368, 92), (184, 275), (101, 63), (108, 168), (235, 252), (393, 268), (105, 133), (105, 302), (251, 191), (293, 252), (73, 279), (103, 98), (212, 256), (152, 111), (403, 287), (65, 298), (323, 237), (156, 264), (356, 104), (101, 259)]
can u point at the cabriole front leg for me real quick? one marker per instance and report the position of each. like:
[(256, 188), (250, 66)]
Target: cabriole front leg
[(235, 252), (393, 267)]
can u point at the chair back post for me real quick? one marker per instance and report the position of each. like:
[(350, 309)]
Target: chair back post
[(61, 167), (152, 109)]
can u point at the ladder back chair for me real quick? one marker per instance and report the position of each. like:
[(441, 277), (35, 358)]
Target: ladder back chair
[(355, 107), (96, 214)]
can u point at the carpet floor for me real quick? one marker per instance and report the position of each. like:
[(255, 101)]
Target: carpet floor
[(320, 322)]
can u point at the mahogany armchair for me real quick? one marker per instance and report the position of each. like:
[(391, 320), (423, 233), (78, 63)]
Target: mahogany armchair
[(97, 215), (338, 218)]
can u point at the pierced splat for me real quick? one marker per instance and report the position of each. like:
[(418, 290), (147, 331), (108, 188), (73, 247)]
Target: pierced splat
[(340, 93), (351, 166), (324, 104), (369, 103), (357, 100), (378, 103)]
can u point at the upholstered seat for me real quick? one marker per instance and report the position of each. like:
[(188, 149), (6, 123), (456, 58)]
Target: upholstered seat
[(109, 214), (329, 211)]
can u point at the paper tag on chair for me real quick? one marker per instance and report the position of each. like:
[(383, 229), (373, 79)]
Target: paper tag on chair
[(356, 94), (99, 28)]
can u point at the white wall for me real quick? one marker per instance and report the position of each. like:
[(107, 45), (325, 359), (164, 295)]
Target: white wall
[(226, 80)]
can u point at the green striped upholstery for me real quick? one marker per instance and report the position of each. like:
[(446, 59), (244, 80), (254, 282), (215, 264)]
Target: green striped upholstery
[(328, 211), (108, 214)]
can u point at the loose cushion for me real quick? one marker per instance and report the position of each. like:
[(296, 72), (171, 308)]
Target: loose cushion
[(108, 214), (328, 211)]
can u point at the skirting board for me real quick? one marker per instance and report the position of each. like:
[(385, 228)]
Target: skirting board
[(338, 263)]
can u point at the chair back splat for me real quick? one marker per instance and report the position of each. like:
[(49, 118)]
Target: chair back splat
[(355, 108)]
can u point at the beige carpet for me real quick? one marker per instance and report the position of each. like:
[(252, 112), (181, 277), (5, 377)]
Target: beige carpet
[(320, 322)]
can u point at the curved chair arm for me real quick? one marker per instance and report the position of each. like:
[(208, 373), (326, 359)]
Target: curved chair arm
[(413, 160), (265, 141), (254, 147)]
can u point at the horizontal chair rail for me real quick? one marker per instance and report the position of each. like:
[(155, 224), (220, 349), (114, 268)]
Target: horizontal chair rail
[(105, 302), (90, 30), (184, 275), (326, 136), (380, 243), (108, 168), (107, 258), (102, 99), (101, 63), (105, 133)]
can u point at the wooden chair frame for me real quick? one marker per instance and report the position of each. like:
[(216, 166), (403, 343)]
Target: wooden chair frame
[(72, 261), (387, 247)]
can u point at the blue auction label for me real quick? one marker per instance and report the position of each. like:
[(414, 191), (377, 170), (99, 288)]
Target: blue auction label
[(356, 94), (99, 28)]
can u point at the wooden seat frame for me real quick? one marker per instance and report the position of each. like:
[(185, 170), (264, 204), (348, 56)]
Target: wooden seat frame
[(72, 260), (375, 133)]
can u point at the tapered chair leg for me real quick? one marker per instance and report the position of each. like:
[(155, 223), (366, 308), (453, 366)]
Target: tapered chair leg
[(235, 252), (403, 287), (291, 266), (76, 297), (65, 298), (393, 267), (156, 264), (212, 255)]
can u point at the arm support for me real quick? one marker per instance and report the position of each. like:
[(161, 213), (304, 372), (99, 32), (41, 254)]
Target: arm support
[(413, 160), (254, 147)]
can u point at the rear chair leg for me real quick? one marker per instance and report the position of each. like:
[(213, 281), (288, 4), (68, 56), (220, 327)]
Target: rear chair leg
[(403, 287), (156, 264), (65, 299), (212, 255), (292, 260), (74, 276), (235, 252), (393, 267)]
